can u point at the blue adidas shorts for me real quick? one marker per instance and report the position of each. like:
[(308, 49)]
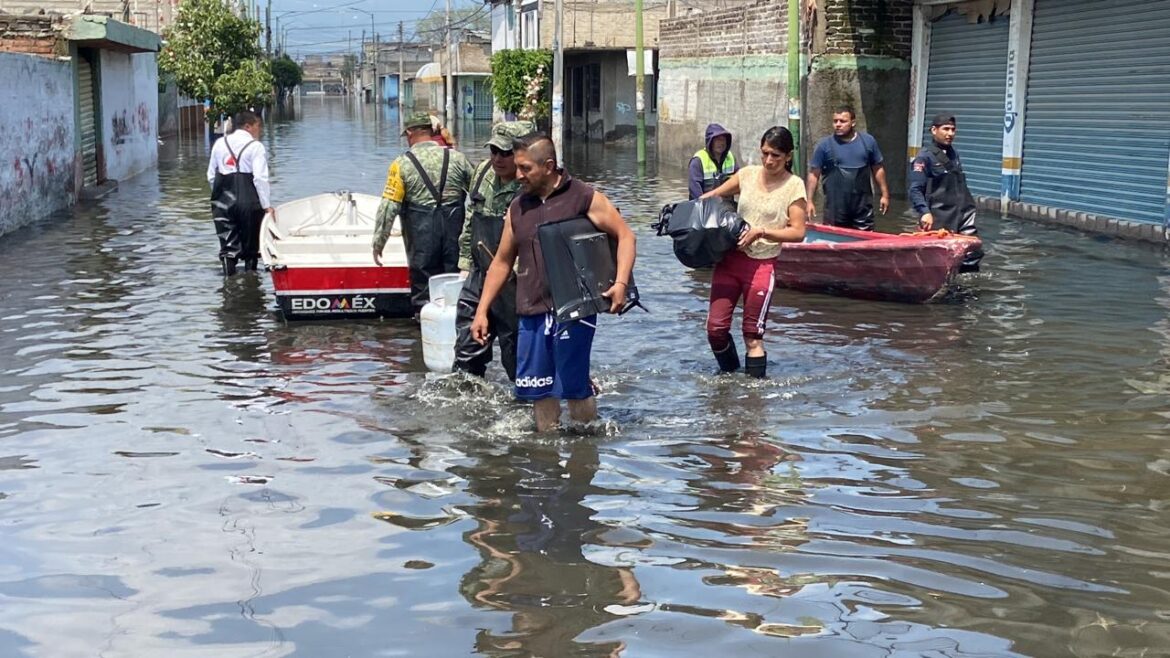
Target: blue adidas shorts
[(552, 359)]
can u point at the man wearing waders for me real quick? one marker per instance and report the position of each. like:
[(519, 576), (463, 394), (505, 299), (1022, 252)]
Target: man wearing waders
[(938, 188), (238, 173), (426, 187), (493, 186), (712, 164), (845, 160)]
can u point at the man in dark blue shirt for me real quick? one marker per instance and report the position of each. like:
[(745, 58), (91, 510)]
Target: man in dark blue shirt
[(938, 187), (846, 159)]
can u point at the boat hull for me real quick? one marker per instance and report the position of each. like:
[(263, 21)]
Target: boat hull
[(342, 292), (877, 266)]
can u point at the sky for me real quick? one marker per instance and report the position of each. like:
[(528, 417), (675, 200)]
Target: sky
[(319, 26)]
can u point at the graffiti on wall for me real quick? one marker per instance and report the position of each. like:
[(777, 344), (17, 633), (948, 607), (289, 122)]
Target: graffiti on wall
[(126, 127), (119, 129)]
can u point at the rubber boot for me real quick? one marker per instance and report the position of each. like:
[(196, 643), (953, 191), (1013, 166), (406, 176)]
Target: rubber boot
[(250, 264), (229, 265), (728, 359), (757, 366)]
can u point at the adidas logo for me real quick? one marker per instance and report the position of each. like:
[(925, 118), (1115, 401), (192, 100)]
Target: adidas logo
[(534, 382)]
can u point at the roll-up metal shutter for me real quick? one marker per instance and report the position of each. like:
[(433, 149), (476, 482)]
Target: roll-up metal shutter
[(967, 77), (1098, 104), (86, 109)]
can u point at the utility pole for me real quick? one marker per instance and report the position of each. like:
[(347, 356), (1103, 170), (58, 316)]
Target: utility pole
[(360, 70), (449, 108), (640, 80), (558, 90), (794, 83), (374, 85), (268, 30), (400, 78)]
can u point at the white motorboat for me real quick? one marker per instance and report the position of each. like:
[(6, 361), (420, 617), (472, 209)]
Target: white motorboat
[(318, 250)]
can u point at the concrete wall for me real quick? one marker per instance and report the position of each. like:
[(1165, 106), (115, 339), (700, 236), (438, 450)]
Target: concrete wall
[(601, 24), (153, 16), (860, 56), (617, 117), (469, 58), (504, 22), (728, 67), (36, 138), (129, 111)]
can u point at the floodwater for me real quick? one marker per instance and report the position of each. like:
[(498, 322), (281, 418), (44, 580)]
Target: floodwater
[(183, 474)]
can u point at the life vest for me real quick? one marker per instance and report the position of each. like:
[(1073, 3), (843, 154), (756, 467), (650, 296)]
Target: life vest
[(713, 176)]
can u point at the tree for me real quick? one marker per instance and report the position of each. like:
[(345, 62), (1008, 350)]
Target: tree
[(215, 55), (348, 67), (522, 82), (287, 75), (431, 27)]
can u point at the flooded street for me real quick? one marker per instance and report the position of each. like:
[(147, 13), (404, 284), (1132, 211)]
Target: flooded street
[(184, 474)]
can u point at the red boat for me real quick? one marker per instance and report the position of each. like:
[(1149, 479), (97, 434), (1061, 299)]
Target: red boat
[(911, 268), (318, 252)]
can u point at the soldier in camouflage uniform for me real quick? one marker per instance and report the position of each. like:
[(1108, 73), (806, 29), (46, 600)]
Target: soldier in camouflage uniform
[(427, 188), (492, 188)]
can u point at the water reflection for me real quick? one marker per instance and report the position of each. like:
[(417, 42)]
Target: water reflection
[(531, 524), (183, 473)]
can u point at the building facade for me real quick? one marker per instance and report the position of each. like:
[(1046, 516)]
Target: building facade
[(78, 110), (598, 45), (390, 55), (471, 70), (153, 15), (1059, 106), (729, 65)]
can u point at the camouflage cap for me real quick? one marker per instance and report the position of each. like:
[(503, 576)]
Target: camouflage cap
[(416, 120), (504, 132)]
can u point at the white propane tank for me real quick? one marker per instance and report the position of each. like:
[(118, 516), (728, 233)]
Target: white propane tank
[(438, 322)]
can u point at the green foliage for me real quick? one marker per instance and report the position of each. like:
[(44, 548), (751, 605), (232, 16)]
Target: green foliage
[(250, 85), (286, 74), (522, 82), (348, 66), (213, 54)]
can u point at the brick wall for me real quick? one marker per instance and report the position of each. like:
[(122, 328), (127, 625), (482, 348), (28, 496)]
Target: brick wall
[(725, 66), (860, 55), (880, 28), (761, 27), (32, 35)]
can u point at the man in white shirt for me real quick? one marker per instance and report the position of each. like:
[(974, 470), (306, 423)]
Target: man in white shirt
[(238, 174)]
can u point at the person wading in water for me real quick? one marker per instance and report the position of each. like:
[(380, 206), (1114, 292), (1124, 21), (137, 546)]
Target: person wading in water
[(238, 174), (846, 159), (771, 201), (552, 358)]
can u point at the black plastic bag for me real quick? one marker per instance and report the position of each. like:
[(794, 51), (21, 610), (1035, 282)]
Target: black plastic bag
[(703, 230)]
